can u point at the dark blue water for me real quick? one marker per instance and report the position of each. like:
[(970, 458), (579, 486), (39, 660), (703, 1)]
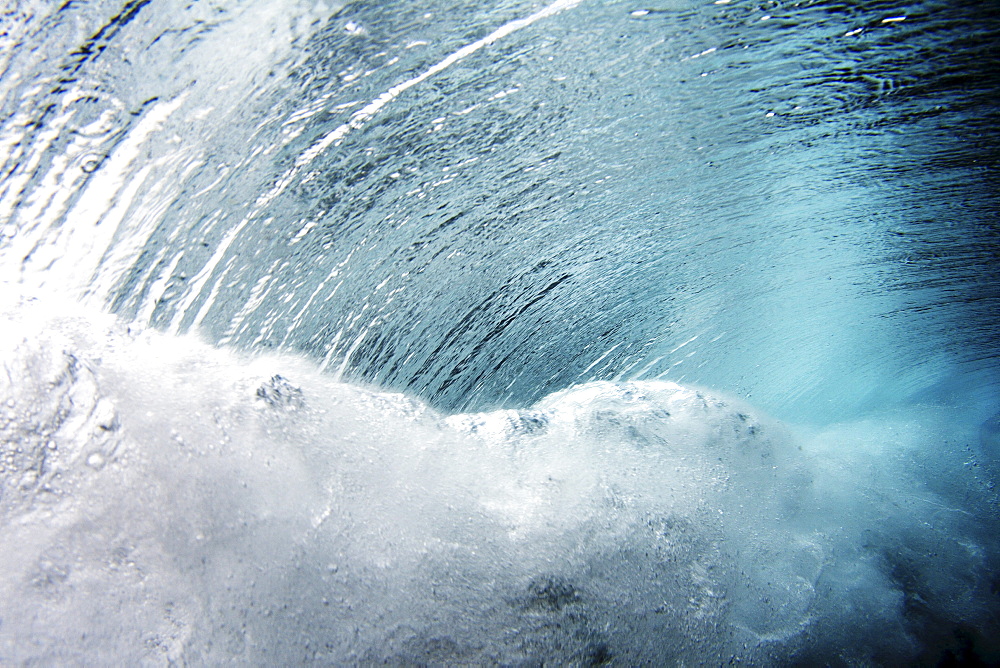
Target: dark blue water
[(479, 205)]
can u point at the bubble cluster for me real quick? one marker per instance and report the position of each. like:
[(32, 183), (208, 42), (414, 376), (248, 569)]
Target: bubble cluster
[(204, 508)]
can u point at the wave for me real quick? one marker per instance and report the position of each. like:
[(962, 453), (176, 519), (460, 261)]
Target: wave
[(435, 332)]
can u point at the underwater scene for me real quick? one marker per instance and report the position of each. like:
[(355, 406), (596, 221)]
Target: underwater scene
[(559, 332)]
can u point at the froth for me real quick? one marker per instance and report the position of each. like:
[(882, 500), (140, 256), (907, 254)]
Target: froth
[(163, 500)]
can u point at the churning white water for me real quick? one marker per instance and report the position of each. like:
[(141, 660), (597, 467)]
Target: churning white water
[(167, 501)]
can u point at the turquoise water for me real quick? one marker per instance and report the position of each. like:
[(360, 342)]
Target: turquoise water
[(588, 331)]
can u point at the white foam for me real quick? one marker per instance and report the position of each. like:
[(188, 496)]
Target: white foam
[(163, 500)]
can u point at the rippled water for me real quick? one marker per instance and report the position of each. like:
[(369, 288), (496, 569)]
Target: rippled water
[(793, 185), (481, 206)]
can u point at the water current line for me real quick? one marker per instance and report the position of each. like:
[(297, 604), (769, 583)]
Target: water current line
[(334, 137)]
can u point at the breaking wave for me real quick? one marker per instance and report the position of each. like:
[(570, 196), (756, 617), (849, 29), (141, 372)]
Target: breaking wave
[(434, 333)]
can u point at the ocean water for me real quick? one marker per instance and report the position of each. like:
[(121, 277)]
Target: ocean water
[(579, 333)]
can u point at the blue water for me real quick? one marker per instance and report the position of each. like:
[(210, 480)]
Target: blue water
[(580, 332)]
